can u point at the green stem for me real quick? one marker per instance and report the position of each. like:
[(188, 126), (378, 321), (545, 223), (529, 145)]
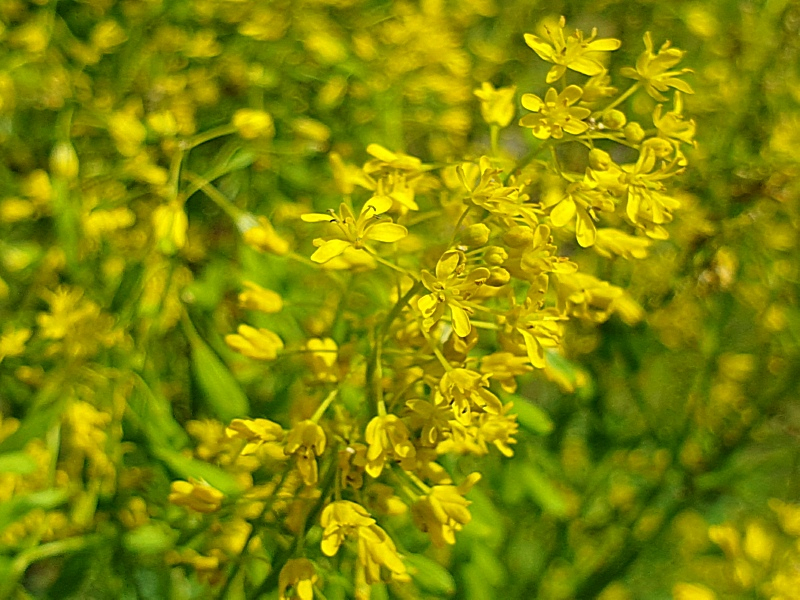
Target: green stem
[(211, 134), (627, 94)]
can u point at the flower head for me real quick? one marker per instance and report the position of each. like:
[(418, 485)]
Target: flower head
[(299, 576), (574, 52), (197, 495), (653, 70), (450, 287), (260, 344), (497, 105), (387, 437), (555, 114), (443, 511), (355, 232), (306, 441)]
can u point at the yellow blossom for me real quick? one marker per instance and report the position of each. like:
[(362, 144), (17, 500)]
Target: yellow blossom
[(252, 124), (263, 238), (692, 591), (555, 114), (258, 298), (12, 342), (443, 510), (466, 391), (296, 580), (497, 105), (260, 344), (450, 287), (344, 519), (652, 70), (574, 52), (196, 495), (387, 437), (306, 441), (352, 232), (257, 433)]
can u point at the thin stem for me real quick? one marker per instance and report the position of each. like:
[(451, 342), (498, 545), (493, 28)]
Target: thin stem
[(435, 348), (627, 94), (324, 406), (216, 196), (458, 225), (211, 134)]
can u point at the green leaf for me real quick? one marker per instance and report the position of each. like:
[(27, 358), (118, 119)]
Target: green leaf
[(530, 416), (429, 575), (188, 467), (17, 462), (149, 539), (155, 416), (34, 426), (220, 388), (542, 491)]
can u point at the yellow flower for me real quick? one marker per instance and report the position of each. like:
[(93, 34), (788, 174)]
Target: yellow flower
[(387, 437), (531, 327), (466, 391), (485, 190), (259, 298), (196, 495), (12, 343), (535, 254), (504, 368), (652, 70), (574, 52), (345, 519), (432, 420), (252, 124), (170, 225), (580, 203), (450, 287), (322, 358), (298, 576), (263, 238), (257, 433), (672, 125), (306, 441), (555, 114), (691, 591), (260, 344), (497, 105), (443, 511), (354, 233)]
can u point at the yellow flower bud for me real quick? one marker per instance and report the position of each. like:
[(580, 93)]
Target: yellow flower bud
[(475, 235), (264, 239), (599, 160), (518, 236), (499, 276), (633, 132), (64, 161), (260, 344), (259, 298), (495, 256), (253, 124), (15, 209), (196, 495), (614, 119), (170, 224)]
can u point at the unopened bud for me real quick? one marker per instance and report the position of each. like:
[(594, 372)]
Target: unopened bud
[(614, 119), (633, 132), (518, 236), (495, 256), (64, 161), (499, 276), (660, 147), (475, 235), (599, 160)]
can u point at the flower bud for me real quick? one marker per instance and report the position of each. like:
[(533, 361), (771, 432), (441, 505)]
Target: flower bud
[(660, 147), (599, 160), (499, 276), (633, 132), (252, 124), (614, 119), (518, 236), (64, 161), (475, 235), (495, 256), (263, 238)]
